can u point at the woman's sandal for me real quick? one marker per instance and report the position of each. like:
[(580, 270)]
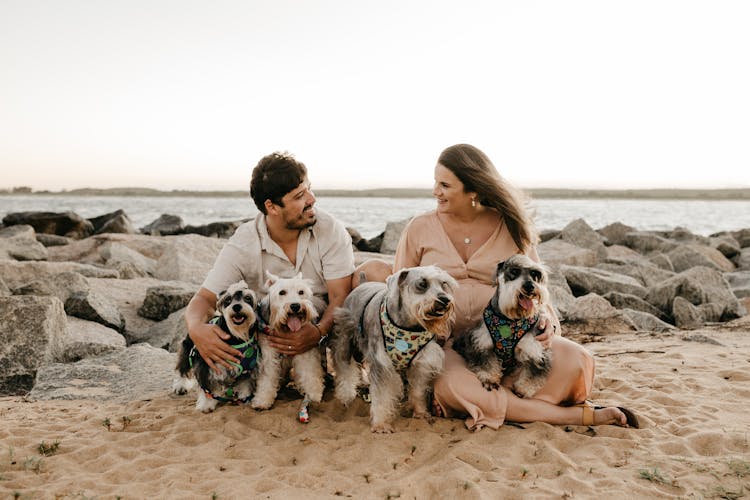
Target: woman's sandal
[(588, 414)]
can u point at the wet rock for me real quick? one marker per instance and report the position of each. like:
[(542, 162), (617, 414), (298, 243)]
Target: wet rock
[(67, 224), (391, 236), (165, 225), (115, 222)]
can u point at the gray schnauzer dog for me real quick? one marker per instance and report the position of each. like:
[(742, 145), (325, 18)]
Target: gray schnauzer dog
[(235, 308), (504, 341), (289, 305), (390, 328)]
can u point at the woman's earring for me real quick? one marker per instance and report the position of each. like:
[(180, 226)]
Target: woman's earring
[(473, 202)]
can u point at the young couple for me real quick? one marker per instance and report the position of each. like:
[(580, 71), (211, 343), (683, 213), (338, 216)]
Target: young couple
[(479, 221)]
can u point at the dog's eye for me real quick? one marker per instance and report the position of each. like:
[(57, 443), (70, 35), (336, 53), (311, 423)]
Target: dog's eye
[(282, 292), (301, 292), (535, 275), (227, 300), (249, 299), (512, 273), (421, 285)]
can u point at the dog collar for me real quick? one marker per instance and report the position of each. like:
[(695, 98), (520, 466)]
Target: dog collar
[(506, 332), (400, 344)]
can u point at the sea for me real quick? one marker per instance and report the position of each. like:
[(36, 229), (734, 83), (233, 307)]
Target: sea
[(369, 215)]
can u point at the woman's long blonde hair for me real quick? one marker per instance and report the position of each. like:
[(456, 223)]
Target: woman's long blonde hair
[(478, 175)]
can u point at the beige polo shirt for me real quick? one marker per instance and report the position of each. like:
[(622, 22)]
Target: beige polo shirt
[(324, 252)]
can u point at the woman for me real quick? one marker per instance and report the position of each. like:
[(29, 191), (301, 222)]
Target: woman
[(480, 220)]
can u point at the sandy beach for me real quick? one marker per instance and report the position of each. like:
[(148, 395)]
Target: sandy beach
[(691, 390)]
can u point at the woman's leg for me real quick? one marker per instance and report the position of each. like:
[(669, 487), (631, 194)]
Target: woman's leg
[(537, 410), (373, 270), (572, 376)]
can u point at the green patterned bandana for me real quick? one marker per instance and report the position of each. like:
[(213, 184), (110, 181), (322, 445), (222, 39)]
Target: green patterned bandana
[(401, 345)]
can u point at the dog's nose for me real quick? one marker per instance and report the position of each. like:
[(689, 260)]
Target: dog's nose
[(443, 299), (295, 307), (528, 286), (237, 308)]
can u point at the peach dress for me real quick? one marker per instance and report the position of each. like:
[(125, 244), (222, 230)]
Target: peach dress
[(457, 390)]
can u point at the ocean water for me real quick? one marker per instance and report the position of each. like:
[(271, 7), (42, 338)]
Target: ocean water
[(370, 215)]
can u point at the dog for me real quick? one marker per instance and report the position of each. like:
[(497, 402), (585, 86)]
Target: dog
[(391, 329), (289, 305), (235, 308), (504, 341)]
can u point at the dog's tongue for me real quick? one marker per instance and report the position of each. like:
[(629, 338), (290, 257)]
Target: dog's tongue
[(526, 303), (294, 324)]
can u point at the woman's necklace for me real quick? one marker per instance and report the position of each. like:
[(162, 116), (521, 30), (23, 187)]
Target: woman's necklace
[(467, 240)]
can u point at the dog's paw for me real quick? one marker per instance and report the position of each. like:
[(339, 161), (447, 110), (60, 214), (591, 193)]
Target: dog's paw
[(423, 415), (382, 428), (181, 385), (206, 405), (261, 405)]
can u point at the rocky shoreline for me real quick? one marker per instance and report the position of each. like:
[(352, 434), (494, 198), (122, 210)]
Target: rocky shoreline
[(93, 308)]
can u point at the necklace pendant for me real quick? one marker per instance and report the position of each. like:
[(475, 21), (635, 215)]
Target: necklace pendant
[(467, 240)]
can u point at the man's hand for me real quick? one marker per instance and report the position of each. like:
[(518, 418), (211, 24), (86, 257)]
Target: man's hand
[(210, 341), (547, 329), (293, 343)]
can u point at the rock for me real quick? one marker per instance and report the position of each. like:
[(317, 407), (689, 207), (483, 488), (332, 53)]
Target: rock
[(136, 373), (61, 285), (591, 314), (52, 240), (690, 255), (165, 225), (683, 235), (67, 224), (742, 261), (93, 307), (644, 321), (698, 285), (215, 229), (167, 334), (31, 334), (558, 252), (391, 236), (17, 274), (579, 233), (643, 271), (739, 283), (562, 300), (354, 235), (686, 315), (626, 301), (188, 258), (727, 245), (644, 242), (743, 237), (662, 262), (19, 243), (163, 300), (4, 290), (129, 263), (622, 254), (548, 234), (115, 222), (615, 233), (91, 250), (85, 339), (372, 245), (585, 280)]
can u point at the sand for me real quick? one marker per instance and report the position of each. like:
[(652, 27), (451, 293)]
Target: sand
[(690, 389)]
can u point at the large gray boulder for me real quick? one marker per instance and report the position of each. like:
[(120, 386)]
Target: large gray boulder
[(727, 245), (686, 315), (61, 285), (188, 258), (222, 229), (691, 255), (743, 237), (585, 280), (698, 285), (94, 250), (129, 263), (645, 242), (115, 222), (580, 234), (32, 331), (742, 261), (645, 322), (16, 274), (739, 283), (645, 272), (163, 300), (19, 243), (622, 254), (391, 236), (67, 224), (593, 315), (133, 374), (558, 252), (167, 334), (627, 301), (91, 306), (165, 225), (614, 233), (86, 339)]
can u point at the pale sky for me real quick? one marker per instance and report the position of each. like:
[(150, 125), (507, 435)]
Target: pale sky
[(190, 94)]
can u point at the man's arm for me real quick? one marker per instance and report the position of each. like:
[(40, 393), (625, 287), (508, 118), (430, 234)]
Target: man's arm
[(209, 339), (309, 336)]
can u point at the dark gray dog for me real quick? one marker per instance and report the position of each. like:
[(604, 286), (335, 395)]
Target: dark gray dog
[(504, 341), (390, 328)]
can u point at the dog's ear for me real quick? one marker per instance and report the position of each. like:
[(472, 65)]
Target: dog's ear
[(299, 276), (242, 284), (498, 272), (402, 277), (272, 278), (219, 297)]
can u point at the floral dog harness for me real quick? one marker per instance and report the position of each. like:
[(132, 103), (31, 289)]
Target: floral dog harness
[(248, 362), (401, 345), (506, 333)]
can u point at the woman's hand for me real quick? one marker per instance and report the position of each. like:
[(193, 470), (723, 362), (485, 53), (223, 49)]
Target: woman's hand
[(547, 327)]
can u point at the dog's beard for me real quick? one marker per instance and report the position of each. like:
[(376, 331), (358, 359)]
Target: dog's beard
[(239, 324), (438, 322), (515, 304), (291, 321)]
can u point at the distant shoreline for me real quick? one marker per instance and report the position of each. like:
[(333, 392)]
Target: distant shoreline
[(541, 193)]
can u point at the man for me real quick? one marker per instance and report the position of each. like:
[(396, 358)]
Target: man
[(287, 237)]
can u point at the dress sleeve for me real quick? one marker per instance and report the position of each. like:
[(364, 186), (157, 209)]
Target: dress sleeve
[(408, 252)]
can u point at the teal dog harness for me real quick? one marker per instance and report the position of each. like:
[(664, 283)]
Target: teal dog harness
[(506, 333)]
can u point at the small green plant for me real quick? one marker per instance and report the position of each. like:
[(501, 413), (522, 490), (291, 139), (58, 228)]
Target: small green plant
[(33, 464), (48, 450), (739, 468), (524, 472), (126, 421), (652, 475), (214, 496), (107, 423)]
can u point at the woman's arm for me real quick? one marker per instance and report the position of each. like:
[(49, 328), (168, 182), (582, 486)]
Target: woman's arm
[(407, 252)]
